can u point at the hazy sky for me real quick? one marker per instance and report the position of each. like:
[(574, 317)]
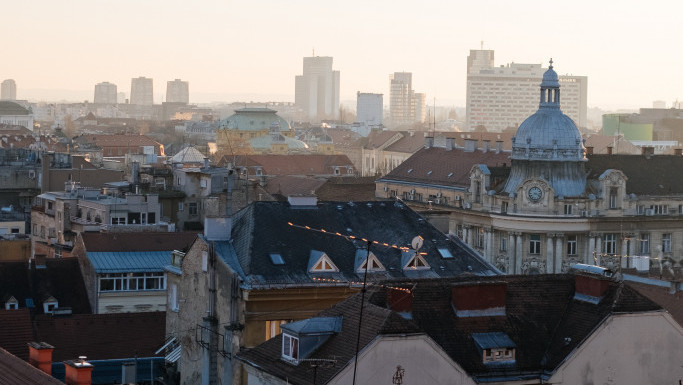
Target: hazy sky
[(253, 49)]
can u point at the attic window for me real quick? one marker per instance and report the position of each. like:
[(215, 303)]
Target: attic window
[(276, 258), (495, 348), (410, 170), (50, 305), (416, 262), (450, 174), (320, 263), (12, 304), (290, 347), (429, 172), (499, 355), (445, 253), (374, 265)]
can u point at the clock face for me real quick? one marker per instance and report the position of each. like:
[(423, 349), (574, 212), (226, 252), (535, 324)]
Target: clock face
[(535, 194)]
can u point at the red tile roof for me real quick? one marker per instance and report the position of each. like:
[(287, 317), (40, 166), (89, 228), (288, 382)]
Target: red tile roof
[(278, 165), (15, 331), (15, 371), (151, 241), (121, 140)]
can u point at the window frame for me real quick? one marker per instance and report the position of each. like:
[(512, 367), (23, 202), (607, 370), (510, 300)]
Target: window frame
[(644, 244), (666, 242), (534, 244), (609, 243), (572, 244), (291, 344)]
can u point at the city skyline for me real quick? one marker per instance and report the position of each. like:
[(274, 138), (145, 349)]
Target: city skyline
[(257, 54)]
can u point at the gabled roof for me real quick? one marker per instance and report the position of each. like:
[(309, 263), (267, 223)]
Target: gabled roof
[(407, 144), (61, 278), (15, 331), (653, 176), (16, 371), (188, 155), (136, 242), (439, 166), (262, 228), (543, 323), (316, 325)]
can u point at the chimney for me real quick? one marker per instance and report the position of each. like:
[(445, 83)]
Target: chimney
[(589, 150), (429, 141), (609, 150), (470, 145), (206, 162), (40, 356), (78, 372), (479, 299), (678, 151), (399, 301), (590, 288), (487, 145), (499, 146), (450, 144)]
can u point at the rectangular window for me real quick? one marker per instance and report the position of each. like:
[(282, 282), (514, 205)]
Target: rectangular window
[(610, 246), (504, 207), (568, 209), (613, 198), (660, 209), (644, 244), (480, 238), (192, 208), (290, 347), (640, 209), (132, 281), (181, 206), (534, 244), (666, 243), (503, 242), (571, 245), (273, 328)]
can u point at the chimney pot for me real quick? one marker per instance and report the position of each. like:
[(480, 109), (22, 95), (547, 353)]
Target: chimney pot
[(78, 372)]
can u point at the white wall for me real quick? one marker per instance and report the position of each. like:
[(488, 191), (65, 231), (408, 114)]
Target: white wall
[(628, 349)]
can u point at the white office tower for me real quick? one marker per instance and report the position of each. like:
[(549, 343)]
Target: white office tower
[(177, 91), (8, 90), (369, 108), (419, 107), (502, 97), (401, 98), (317, 90), (141, 91), (105, 93)]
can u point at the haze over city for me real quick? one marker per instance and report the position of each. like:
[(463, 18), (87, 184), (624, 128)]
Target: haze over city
[(251, 50)]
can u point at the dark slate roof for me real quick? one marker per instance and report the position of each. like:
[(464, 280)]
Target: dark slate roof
[(438, 166), (654, 176), (16, 371), (102, 336), (61, 279), (543, 321), (262, 228), (146, 241)]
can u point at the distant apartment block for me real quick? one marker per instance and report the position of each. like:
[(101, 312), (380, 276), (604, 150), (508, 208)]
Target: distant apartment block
[(502, 97), (369, 109), (178, 91), (8, 90), (141, 91), (317, 90), (105, 93), (405, 106)]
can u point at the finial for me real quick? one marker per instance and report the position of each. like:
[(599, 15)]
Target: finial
[(551, 63)]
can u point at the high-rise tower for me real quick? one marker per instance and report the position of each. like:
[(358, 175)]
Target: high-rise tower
[(141, 91), (317, 90)]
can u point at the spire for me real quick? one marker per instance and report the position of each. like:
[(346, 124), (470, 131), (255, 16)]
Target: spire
[(551, 64)]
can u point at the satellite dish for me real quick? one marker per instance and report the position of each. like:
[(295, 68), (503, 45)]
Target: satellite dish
[(417, 242)]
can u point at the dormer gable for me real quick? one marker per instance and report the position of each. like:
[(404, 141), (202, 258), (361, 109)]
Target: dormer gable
[(302, 338), (50, 304), (363, 260), (412, 260), (320, 262), (11, 304)]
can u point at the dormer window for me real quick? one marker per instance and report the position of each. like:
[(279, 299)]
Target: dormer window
[(290, 347), (50, 305), (495, 348), (319, 262), (413, 261), (12, 304), (498, 355), (371, 262)]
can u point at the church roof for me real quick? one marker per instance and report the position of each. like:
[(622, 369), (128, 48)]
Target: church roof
[(254, 119)]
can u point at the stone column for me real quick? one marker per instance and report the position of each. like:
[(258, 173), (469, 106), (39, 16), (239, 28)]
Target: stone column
[(518, 254), (549, 254), (598, 251), (559, 247), (588, 257), (631, 250), (511, 253), (489, 245), (624, 252)]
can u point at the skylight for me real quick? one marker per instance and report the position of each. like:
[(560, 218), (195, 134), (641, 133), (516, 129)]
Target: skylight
[(410, 170), (276, 258), (445, 253)]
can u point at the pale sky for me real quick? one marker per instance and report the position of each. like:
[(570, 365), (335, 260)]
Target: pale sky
[(251, 50)]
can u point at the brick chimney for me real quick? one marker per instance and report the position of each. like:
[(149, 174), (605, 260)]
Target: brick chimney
[(78, 372), (450, 144), (499, 146), (609, 150), (40, 356), (470, 145), (399, 300), (590, 288), (678, 151), (429, 141), (479, 299), (589, 150)]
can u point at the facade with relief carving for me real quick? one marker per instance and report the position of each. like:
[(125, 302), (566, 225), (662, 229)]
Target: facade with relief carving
[(558, 204)]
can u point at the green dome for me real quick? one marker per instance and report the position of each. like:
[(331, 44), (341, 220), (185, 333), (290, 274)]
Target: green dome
[(254, 119)]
